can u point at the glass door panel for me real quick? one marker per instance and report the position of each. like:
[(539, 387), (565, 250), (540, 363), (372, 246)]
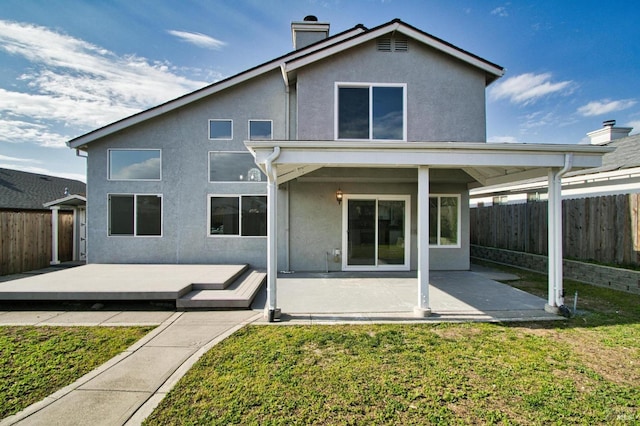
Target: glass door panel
[(361, 232), (391, 226)]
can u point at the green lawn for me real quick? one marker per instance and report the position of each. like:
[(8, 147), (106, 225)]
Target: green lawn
[(37, 361), (582, 371)]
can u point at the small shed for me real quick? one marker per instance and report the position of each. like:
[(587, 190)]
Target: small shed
[(78, 205)]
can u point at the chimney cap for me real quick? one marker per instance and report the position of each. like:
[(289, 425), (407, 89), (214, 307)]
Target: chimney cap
[(609, 123), (310, 18)]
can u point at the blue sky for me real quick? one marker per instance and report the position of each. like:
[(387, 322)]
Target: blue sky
[(68, 67)]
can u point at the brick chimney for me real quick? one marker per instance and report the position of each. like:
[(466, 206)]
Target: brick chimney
[(308, 31), (608, 133)]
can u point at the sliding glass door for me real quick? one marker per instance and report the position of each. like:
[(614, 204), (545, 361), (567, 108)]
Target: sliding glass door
[(375, 232)]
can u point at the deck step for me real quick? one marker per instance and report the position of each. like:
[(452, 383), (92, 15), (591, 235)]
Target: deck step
[(210, 283), (238, 296)]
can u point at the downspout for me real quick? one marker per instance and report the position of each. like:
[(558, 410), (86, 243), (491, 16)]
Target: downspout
[(557, 292), (272, 257)]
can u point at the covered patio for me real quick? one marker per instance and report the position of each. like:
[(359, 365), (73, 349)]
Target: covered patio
[(483, 164)]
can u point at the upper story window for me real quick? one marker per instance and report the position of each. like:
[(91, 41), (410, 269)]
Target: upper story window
[(135, 164), (220, 129), (260, 130), (371, 111), (226, 166)]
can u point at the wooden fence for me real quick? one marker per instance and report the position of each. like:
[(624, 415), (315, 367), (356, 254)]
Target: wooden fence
[(601, 229), (25, 240)]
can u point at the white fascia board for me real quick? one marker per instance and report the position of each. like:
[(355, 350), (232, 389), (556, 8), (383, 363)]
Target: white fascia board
[(433, 154), (81, 141), (295, 64), (78, 200), (456, 53)]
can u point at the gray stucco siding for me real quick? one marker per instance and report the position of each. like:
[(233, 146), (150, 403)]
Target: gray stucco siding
[(316, 221), (182, 137), (445, 97)]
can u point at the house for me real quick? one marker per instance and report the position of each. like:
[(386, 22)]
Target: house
[(32, 194), (353, 152), (618, 174)]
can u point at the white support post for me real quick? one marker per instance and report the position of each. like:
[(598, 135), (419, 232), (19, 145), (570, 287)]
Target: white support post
[(271, 309), (54, 236), (555, 297), (423, 309), (75, 255)]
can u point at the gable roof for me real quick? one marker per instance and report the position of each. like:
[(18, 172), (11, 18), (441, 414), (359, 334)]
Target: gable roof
[(30, 191), (292, 61)]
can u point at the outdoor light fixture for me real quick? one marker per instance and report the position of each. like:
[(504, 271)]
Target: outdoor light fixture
[(339, 196)]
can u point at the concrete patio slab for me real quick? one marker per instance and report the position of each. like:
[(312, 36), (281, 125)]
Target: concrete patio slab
[(138, 318), (79, 318), (26, 317), (116, 282)]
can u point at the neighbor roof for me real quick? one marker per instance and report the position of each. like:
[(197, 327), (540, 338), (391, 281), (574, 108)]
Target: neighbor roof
[(626, 156), (292, 61), (29, 191)]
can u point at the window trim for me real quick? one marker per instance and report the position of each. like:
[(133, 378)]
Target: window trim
[(230, 181), (340, 84), (110, 150), (135, 215), (219, 119), (439, 216), (249, 129), (235, 195)]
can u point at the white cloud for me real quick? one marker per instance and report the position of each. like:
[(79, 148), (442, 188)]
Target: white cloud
[(43, 171), (19, 160), (527, 88), (77, 85), (605, 106), (500, 11), (636, 126), (503, 139), (198, 39)]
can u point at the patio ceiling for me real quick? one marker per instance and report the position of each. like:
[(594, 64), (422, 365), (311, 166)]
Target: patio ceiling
[(485, 163)]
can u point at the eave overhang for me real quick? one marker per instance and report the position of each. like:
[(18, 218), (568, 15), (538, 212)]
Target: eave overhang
[(488, 164)]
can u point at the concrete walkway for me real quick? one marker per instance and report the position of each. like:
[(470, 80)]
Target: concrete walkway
[(127, 388)]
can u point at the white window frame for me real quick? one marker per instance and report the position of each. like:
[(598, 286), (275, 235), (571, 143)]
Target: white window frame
[(249, 129), (219, 119), (231, 181), (439, 216), (340, 84), (239, 235), (407, 232), (109, 178), (135, 215)]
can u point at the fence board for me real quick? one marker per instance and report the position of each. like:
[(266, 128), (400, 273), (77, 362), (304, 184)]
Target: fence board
[(25, 240), (602, 229)]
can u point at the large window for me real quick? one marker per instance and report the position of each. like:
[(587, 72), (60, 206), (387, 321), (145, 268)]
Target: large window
[(260, 130), (225, 166), (244, 215), (444, 223), (371, 112), (135, 215), (135, 164), (220, 129)]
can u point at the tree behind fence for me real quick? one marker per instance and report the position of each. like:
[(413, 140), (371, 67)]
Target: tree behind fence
[(25, 240), (601, 229)]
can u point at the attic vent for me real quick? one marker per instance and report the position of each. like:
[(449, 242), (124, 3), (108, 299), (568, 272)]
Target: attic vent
[(392, 45), (400, 45), (384, 45)]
